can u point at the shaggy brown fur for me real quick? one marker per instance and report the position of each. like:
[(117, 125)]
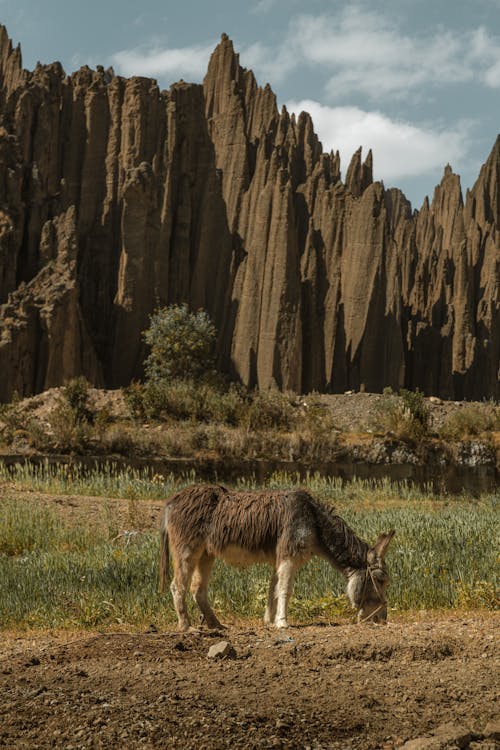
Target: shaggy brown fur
[(284, 528)]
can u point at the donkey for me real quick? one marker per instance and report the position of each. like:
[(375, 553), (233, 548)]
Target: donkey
[(283, 528)]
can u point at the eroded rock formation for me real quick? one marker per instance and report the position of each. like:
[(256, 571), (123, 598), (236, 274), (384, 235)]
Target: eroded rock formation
[(116, 197)]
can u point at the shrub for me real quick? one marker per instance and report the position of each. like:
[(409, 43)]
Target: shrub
[(470, 421), (227, 406), (175, 399), (201, 401), (270, 409), (12, 422), (71, 420), (76, 395), (134, 400), (407, 417), (68, 432), (415, 405), (182, 344)]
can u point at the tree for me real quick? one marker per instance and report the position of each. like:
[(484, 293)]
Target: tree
[(182, 344)]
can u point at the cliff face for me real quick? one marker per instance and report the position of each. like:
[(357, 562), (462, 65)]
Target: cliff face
[(116, 198)]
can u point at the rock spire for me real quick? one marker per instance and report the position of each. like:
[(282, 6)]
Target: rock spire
[(116, 197)]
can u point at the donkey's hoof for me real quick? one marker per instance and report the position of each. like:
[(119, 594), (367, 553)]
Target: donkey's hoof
[(281, 624)]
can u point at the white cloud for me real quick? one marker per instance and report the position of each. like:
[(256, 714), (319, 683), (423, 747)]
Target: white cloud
[(360, 51), (269, 66), (364, 51), (183, 62), (400, 149), (352, 50), (485, 51), (191, 62), (263, 6)]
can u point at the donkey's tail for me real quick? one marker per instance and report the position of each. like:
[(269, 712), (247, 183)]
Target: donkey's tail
[(164, 558)]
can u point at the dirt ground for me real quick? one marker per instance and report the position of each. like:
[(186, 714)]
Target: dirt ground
[(344, 686)]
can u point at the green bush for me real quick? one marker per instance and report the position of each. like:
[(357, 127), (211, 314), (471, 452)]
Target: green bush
[(270, 409), (68, 432), (76, 396), (190, 400), (134, 400), (182, 344), (212, 402), (416, 407), (471, 421), (406, 416)]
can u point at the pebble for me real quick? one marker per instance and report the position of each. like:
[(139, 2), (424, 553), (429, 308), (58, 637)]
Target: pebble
[(221, 650), (492, 730)]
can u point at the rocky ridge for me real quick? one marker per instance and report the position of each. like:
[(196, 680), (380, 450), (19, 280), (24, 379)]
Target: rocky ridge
[(116, 197)]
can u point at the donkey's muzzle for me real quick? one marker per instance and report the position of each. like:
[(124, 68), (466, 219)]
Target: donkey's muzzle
[(376, 614)]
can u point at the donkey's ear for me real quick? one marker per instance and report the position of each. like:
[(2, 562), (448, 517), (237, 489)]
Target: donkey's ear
[(380, 546)]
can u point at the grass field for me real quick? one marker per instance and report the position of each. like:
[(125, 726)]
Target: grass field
[(58, 572)]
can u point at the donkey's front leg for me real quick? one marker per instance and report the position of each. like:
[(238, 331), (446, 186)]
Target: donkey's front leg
[(286, 572), (270, 612)]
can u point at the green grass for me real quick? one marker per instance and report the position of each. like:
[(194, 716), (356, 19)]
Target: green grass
[(76, 479), (58, 574)]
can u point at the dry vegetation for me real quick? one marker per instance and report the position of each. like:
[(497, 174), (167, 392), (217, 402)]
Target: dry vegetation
[(213, 420)]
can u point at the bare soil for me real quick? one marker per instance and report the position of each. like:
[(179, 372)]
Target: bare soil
[(344, 686)]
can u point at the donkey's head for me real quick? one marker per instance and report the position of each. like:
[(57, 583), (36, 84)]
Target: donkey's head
[(367, 587)]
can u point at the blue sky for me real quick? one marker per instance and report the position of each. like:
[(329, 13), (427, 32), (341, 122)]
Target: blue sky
[(415, 80)]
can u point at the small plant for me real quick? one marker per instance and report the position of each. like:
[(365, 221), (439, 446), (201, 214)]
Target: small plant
[(477, 595), (134, 399), (471, 421), (182, 344), (102, 420), (317, 418), (76, 395), (407, 417), (270, 409), (69, 434), (415, 405), (13, 422)]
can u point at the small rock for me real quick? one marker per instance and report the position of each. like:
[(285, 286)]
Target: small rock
[(453, 734), (280, 724), (492, 730), (444, 736), (221, 650)]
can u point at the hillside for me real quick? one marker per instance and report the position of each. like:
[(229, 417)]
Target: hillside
[(116, 197)]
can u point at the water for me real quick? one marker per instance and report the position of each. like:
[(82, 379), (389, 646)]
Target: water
[(447, 479)]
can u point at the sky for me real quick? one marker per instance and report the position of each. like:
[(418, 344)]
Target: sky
[(417, 81)]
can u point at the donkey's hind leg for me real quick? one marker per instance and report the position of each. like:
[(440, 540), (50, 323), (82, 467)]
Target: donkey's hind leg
[(199, 589), (183, 563), (286, 572), (270, 612)]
